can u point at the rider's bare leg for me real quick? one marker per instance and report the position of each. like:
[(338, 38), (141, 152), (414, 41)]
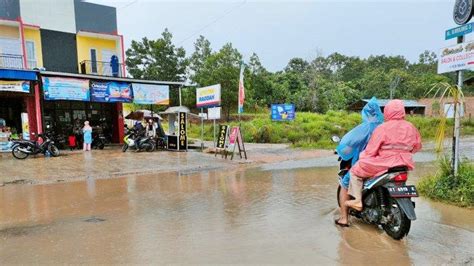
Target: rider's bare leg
[(343, 197), (355, 190)]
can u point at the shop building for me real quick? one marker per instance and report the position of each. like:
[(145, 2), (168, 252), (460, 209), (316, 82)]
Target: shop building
[(69, 43)]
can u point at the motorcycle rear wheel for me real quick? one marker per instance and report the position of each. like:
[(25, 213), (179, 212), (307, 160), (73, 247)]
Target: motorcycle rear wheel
[(53, 150), (17, 153), (400, 224)]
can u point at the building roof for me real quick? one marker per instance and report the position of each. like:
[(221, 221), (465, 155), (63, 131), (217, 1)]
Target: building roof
[(407, 103)]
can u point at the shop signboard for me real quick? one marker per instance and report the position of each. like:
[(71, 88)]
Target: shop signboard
[(66, 89), (208, 96), (173, 143), (283, 112), (111, 92), (151, 94), (221, 141), (456, 57), (15, 86), (183, 136)]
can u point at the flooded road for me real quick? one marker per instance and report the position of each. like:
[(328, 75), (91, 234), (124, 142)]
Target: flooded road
[(260, 215)]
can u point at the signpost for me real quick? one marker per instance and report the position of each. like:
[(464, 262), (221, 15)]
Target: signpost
[(209, 96)]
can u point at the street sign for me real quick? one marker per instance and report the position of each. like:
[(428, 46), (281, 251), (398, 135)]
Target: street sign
[(459, 31)]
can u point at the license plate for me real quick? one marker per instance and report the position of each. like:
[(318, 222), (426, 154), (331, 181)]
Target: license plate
[(403, 192)]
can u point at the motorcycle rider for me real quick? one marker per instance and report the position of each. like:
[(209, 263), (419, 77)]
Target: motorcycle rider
[(352, 144), (392, 144)]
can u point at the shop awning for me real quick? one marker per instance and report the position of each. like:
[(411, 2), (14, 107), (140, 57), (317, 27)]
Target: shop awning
[(16, 74)]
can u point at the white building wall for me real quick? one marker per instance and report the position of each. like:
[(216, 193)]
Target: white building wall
[(55, 15)]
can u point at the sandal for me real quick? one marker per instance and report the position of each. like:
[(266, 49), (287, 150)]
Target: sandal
[(340, 224)]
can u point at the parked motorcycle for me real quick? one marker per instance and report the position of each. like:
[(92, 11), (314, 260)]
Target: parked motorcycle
[(386, 199), (21, 149), (98, 141), (136, 140)]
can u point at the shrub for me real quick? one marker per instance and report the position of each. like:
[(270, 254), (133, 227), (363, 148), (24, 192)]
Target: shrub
[(443, 186)]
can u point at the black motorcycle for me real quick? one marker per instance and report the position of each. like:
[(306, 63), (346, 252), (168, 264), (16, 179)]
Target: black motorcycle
[(21, 149), (137, 140), (98, 141), (386, 200)]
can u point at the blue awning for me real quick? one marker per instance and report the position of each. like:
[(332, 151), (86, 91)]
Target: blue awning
[(16, 74)]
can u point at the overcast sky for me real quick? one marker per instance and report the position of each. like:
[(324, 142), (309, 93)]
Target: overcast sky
[(280, 30)]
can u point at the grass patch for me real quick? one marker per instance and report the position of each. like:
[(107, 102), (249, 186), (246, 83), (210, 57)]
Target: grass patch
[(312, 130), (444, 187)]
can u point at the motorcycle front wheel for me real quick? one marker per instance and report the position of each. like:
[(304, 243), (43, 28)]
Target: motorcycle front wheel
[(125, 147), (17, 153), (399, 225), (53, 150)]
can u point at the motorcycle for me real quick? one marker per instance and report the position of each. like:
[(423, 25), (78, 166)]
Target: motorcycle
[(98, 141), (21, 149), (386, 199), (138, 141)]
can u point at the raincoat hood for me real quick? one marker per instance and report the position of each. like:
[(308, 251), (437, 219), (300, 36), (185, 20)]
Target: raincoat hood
[(371, 112), (394, 110)]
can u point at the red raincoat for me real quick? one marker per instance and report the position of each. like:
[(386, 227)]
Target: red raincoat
[(392, 144)]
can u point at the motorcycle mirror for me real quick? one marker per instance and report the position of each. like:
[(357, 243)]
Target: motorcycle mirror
[(336, 139)]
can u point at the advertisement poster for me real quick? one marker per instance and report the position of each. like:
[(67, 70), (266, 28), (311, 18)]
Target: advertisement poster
[(233, 137), (66, 89), (221, 141), (15, 86), (111, 92), (25, 126), (283, 112), (208, 96), (183, 136), (151, 94), (456, 57)]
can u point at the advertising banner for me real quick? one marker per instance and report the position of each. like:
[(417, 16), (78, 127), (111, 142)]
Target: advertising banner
[(66, 89), (221, 141), (151, 94), (456, 57), (15, 86), (233, 138), (283, 112), (111, 92), (183, 136), (208, 96), (25, 126)]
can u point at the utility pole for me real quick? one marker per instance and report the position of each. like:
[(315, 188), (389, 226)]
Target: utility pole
[(457, 118)]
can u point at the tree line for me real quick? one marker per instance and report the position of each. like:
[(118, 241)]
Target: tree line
[(332, 82)]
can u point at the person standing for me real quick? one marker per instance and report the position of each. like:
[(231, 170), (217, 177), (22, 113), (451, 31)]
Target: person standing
[(87, 133)]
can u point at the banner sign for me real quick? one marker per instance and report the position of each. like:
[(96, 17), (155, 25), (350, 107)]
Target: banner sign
[(283, 112), (214, 113), (221, 141), (208, 96), (15, 86), (66, 89), (111, 92), (456, 57), (25, 126), (233, 138), (183, 137), (151, 94)]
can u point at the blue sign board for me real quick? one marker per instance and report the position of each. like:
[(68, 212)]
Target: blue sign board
[(459, 31), (110, 91), (283, 112), (66, 89)]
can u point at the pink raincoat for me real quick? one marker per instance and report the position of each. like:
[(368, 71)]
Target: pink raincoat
[(392, 144)]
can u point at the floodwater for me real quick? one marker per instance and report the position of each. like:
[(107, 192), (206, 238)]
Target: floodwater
[(260, 215)]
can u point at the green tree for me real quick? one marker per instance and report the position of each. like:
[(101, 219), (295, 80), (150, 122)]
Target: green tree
[(222, 67), (157, 60)]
